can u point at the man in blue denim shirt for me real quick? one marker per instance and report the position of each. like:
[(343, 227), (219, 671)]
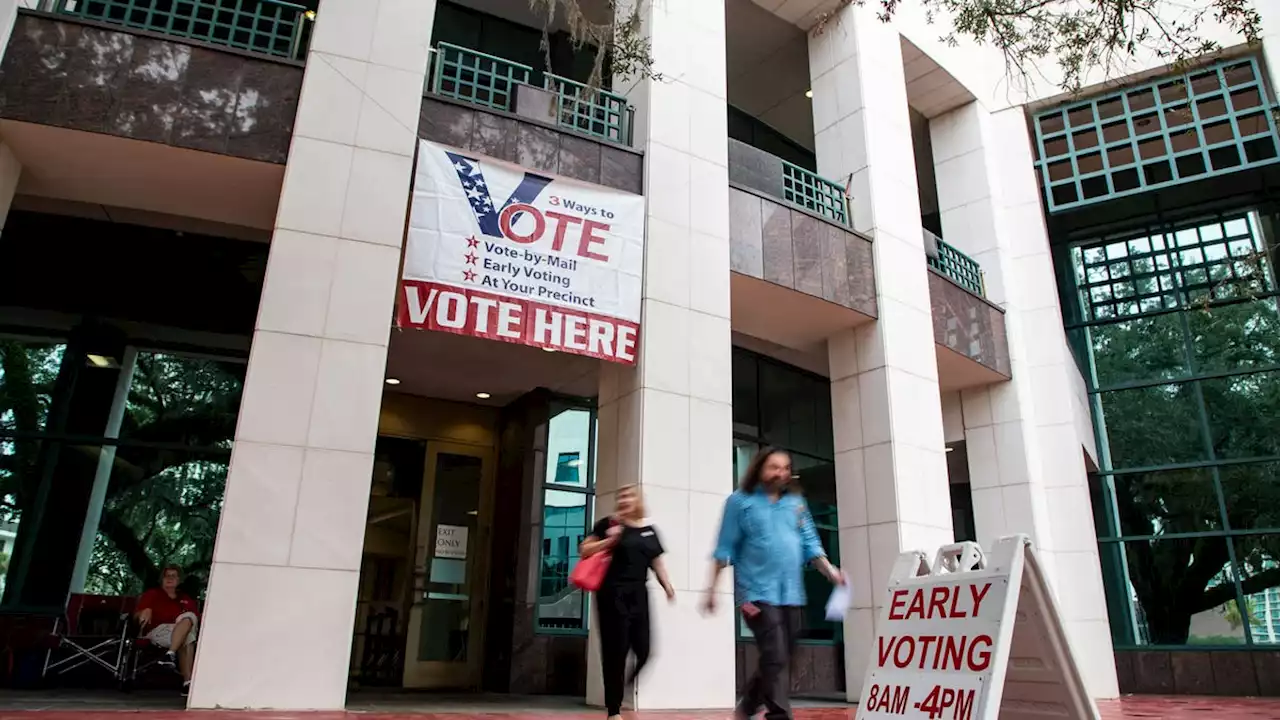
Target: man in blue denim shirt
[(768, 536)]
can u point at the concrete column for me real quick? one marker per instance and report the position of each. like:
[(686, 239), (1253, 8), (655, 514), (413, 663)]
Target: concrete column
[(667, 423), (1026, 438), (278, 625), (891, 469)]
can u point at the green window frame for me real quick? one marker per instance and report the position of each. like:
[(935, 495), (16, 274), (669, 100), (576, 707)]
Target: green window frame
[(568, 505), (1177, 329)]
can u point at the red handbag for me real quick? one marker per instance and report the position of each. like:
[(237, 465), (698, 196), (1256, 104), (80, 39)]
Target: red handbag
[(589, 573)]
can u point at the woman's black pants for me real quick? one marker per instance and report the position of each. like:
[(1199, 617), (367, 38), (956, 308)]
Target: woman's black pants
[(623, 614)]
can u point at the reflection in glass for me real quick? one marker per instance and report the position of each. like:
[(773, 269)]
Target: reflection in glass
[(1259, 559), (1236, 337), (1252, 493), (1135, 441), (564, 521), (1242, 412), (1148, 348), (182, 399), (1165, 502), (28, 370), (568, 446), (446, 608), (1183, 592)]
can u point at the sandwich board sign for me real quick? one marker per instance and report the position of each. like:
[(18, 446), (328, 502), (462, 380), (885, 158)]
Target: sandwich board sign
[(972, 637)]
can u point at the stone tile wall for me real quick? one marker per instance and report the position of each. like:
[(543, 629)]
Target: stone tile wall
[(96, 78), (1199, 672), (968, 324)]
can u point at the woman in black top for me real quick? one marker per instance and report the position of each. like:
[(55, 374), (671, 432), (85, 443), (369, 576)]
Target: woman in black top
[(622, 602)]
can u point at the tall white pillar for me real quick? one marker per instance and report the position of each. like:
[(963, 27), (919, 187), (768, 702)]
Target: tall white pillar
[(278, 623), (1025, 443), (667, 423), (891, 471)]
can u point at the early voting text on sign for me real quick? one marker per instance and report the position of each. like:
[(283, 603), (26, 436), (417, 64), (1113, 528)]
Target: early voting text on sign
[(968, 639), (500, 252)]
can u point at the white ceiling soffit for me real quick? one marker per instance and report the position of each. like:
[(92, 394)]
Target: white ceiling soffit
[(931, 90)]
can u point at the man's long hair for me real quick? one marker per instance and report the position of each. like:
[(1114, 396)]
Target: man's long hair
[(752, 478)]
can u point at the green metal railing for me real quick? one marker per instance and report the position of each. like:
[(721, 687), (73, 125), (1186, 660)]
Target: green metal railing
[(598, 113), (961, 268), (269, 27), (814, 192), (489, 81), (477, 78)]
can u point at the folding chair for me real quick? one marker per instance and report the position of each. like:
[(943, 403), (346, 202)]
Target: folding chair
[(139, 656), (94, 631)]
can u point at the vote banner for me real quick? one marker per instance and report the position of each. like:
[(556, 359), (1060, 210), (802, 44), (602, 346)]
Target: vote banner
[(968, 639), (500, 252)]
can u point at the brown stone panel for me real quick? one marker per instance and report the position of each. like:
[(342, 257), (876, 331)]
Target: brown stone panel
[(1124, 671), (1192, 673), (968, 324), (1152, 672), (1266, 666), (778, 264), (745, 234), (1233, 672), (835, 271), (807, 239), (539, 146), (861, 267), (84, 76)]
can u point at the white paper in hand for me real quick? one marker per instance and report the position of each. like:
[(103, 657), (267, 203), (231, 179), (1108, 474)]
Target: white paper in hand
[(838, 603)]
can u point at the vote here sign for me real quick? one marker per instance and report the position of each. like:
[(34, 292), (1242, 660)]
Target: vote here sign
[(499, 252)]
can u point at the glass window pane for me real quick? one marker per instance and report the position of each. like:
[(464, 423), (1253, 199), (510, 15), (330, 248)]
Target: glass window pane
[(778, 396), (1182, 592), (1252, 494), (183, 399), (1136, 441), (564, 518), (743, 451), (1150, 348), (1259, 559), (162, 507), (746, 395), (568, 446), (1235, 337), (1170, 501), (28, 370), (1243, 412)]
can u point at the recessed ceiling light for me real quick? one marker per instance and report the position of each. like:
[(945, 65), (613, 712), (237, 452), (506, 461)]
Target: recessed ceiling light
[(483, 395), (950, 449), (310, 14), (393, 381), (548, 349), (101, 361), (808, 93)]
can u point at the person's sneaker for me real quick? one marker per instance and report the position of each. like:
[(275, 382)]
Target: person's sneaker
[(186, 688), (170, 660)]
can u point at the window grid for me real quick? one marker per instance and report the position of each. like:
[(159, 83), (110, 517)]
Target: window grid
[(814, 192), (1201, 124), (262, 26), (597, 113), (1172, 270), (1178, 268), (961, 268)]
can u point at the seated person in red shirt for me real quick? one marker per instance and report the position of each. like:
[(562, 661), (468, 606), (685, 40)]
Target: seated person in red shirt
[(169, 618)]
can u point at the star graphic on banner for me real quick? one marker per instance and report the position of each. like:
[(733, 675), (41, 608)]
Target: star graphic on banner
[(468, 276), (473, 242), (471, 258)]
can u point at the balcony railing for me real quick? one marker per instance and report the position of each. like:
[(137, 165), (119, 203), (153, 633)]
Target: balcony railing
[(269, 27), (964, 270), (598, 113), (814, 192), (490, 81)]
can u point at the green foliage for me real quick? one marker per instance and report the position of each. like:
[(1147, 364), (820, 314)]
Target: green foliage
[(163, 500), (1193, 421)]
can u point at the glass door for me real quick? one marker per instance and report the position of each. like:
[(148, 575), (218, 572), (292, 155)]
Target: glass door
[(450, 583)]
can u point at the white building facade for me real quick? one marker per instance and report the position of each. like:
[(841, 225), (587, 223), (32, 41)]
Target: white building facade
[(863, 245)]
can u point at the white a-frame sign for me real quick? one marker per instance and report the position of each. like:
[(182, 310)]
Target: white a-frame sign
[(972, 638)]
